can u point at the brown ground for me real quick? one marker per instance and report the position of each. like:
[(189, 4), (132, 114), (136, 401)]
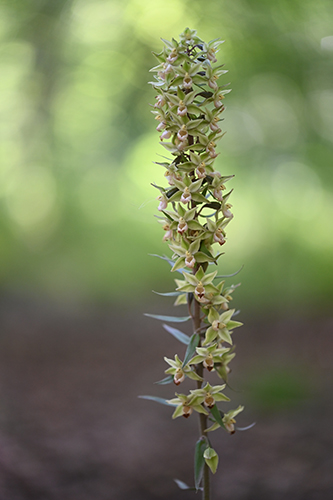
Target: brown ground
[(72, 427)]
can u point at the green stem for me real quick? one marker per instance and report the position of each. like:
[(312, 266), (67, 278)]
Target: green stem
[(202, 417)]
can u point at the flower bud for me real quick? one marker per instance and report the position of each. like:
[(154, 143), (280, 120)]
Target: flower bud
[(187, 410), (209, 363), (182, 134), (201, 171), (189, 260), (212, 83), (216, 325), (187, 81), (182, 109), (218, 237), (218, 194), (182, 226), (230, 427), (209, 401), (160, 101), (163, 203), (211, 55), (186, 196), (172, 56), (179, 376), (165, 135), (226, 212), (160, 126), (168, 233), (199, 290)]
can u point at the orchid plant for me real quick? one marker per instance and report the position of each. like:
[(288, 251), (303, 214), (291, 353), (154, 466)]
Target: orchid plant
[(195, 212)]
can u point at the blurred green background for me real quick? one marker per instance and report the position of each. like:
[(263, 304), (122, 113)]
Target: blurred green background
[(78, 143)]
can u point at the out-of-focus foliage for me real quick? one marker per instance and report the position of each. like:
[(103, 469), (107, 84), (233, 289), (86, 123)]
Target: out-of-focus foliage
[(78, 142)]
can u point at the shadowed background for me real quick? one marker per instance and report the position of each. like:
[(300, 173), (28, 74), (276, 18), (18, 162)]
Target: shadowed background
[(77, 145)]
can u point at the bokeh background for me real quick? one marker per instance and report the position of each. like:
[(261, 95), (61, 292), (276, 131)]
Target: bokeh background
[(77, 146)]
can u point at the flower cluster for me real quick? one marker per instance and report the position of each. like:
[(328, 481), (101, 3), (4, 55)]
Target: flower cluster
[(195, 212)]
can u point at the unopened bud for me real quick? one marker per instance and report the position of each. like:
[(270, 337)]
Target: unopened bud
[(186, 196), (179, 376), (189, 260), (199, 290), (182, 226), (187, 410), (209, 363), (209, 401), (182, 134), (187, 81)]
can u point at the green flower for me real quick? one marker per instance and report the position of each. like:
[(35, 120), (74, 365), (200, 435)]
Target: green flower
[(209, 356), (209, 395), (199, 284), (221, 326), (211, 459), (179, 371), (229, 419), (185, 405)]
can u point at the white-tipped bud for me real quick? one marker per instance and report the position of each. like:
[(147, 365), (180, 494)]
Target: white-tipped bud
[(179, 376), (186, 196), (216, 325), (187, 410), (165, 135), (226, 212), (209, 401), (182, 226), (209, 363), (199, 290), (187, 81), (182, 134), (182, 109), (211, 55), (161, 126), (163, 203), (172, 56), (201, 171), (160, 101), (230, 427), (212, 83), (218, 194), (219, 237), (189, 260)]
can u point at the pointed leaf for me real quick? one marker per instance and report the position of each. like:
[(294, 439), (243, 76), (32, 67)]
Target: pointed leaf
[(166, 380), (230, 275), (167, 294), (171, 319), (182, 337), (193, 344), (162, 401), (182, 485), (217, 415), (199, 461)]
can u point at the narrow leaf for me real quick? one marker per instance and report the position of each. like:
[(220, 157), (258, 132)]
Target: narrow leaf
[(217, 415), (167, 294), (246, 428), (182, 337), (199, 461), (166, 380), (171, 319), (162, 401), (230, 275), (194, 342), (182, 485)]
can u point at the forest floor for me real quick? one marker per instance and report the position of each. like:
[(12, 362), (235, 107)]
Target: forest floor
[(73, 428)]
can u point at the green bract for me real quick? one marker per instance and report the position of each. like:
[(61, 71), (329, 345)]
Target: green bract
[(195, 211)]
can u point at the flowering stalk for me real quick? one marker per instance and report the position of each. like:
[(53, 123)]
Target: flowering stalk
[(195, 212)]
